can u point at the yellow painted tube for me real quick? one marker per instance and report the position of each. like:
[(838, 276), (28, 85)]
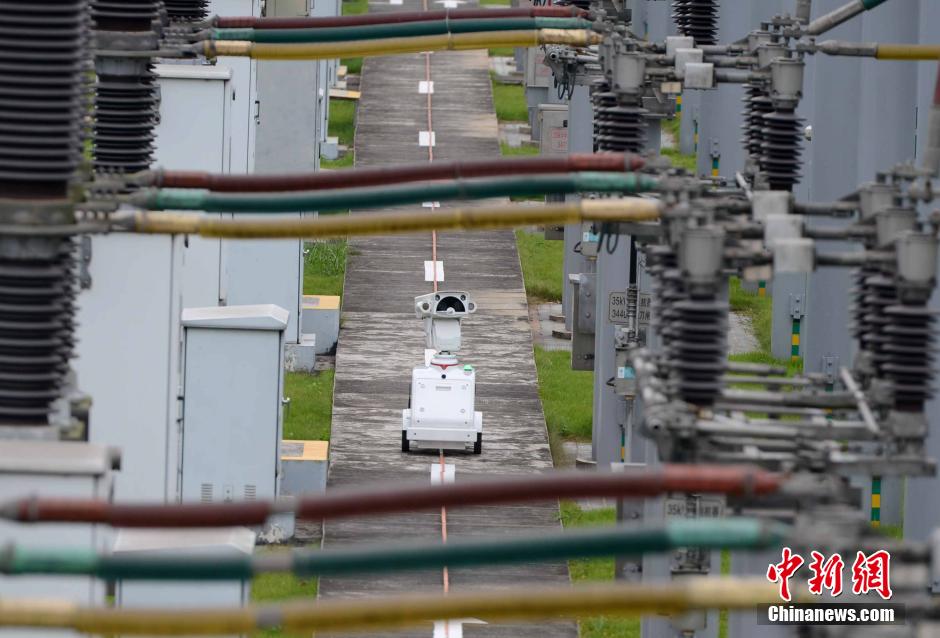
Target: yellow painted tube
[(393, 46), (628, 209), (522, 604), (908, 52)]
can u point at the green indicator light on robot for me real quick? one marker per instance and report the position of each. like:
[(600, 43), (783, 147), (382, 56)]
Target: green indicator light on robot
[(468, 368)]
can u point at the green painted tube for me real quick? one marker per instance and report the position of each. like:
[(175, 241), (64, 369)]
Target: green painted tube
[(394, 30), (609, 541), (31, 561), (343, 199), (21, 561), (741, 534)]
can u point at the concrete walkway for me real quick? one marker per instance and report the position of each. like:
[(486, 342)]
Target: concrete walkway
[(381, 340)]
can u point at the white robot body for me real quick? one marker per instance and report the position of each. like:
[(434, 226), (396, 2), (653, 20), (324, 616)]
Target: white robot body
[(441, 412)]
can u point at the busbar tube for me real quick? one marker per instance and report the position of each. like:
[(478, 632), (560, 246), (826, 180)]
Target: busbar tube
[(395, 30), (846, 12), (343, 199), (362, 224), (931, 160), (397, 612), (397, 174), (396, 46), (381, 499), (305, 22), (736, 534), (881, 50)]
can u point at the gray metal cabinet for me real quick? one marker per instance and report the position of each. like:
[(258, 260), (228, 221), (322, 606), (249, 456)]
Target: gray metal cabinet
[(54, 469), (232, 389)]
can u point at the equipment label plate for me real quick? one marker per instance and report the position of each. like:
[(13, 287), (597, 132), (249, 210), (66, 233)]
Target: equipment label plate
[(645, 301), (617, 308)]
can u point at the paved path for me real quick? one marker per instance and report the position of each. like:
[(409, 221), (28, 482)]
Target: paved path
[(381, 340), (741, 338)]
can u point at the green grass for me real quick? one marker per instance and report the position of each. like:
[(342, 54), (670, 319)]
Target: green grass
[(541, 265), (509, 101), (791, 367), (892, 531), (502, 52), (673, 126), (758, 309), (567, 395), (514, 151), (343, 121), (680, 160), (311, 405), (324, 267), (352, 8), (342, 125), (353, 65), (596, 569), (355, 7), (345, 161), (269, 588)]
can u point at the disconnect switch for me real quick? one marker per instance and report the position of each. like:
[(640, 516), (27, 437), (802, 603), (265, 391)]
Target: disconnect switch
[(796, 307), (625, 379), (830, 368), (582, 325), (625, 376)]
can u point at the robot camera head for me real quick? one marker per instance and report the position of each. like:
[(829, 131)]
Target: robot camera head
[(442, 313), (444, 305)]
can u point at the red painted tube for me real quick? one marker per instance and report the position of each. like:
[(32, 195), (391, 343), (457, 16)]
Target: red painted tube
[(376, 500), (932, 151), (395, 174), (248, 22), (936, 89)]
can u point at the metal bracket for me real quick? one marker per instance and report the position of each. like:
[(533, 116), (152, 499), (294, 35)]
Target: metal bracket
[(796, 306), (158, 99), (84, 262), (830, 367), (629, 511), (582, 321), (585, 318), (714, 148), (935, 562)]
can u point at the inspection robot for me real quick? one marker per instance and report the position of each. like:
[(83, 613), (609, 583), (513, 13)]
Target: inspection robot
[(440, 413)]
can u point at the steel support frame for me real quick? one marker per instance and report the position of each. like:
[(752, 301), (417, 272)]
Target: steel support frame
[(580, 140), (850, 145), (613, 273), (921, 520)]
